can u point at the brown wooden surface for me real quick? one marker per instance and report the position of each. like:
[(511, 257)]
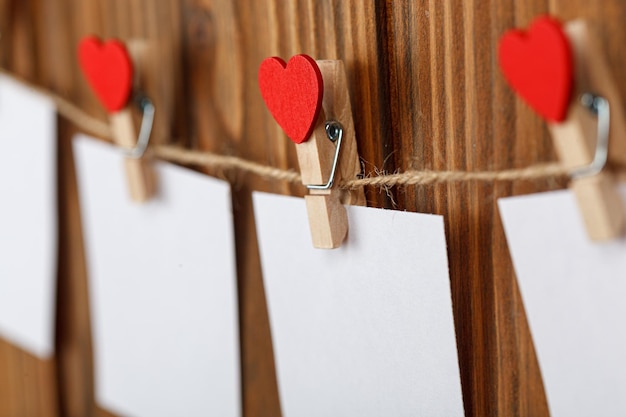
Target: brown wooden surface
[(426, 93)]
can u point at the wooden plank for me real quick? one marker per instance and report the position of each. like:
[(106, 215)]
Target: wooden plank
[(451, 111), (27, 384), (11, 395), (74, 348)]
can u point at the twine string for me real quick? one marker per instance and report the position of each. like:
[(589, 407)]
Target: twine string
[(92, 125)]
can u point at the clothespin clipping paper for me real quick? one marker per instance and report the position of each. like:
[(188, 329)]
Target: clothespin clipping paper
[(309, 99), (109, 70), (561, 73)]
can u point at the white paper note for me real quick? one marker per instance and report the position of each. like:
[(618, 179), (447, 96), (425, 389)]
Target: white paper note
[(162, 289), (28, 218), (365, 329), (574, 292)]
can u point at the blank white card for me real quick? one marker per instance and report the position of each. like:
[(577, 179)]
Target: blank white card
[(28, 218), (365, 329), (574, 293), (162, 289)]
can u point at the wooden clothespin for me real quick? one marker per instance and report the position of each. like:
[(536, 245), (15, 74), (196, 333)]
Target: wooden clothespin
[(310, 101), (560, 71), (110, 71)]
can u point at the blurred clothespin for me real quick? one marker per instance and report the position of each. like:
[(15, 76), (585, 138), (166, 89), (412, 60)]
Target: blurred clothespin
[(109, 70), (309, 99), (560, 72)]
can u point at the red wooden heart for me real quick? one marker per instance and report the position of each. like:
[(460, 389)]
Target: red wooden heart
[(538, 66), (293, 94), (108, 69)]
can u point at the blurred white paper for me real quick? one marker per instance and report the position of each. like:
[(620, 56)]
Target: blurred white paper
[(28, 218), (162, 289), (365, 329), (573, 291)]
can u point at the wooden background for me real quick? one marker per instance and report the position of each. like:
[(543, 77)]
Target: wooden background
[(426, 93)]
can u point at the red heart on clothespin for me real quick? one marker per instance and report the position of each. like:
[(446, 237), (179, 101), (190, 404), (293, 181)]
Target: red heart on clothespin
[(538, 65), (108, 69), (293, 94)]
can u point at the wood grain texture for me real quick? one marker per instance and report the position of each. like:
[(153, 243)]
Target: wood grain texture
[(426, 94), (73, 333)]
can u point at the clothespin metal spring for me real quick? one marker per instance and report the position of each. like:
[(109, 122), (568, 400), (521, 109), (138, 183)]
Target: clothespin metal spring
[(600, 107), (145, 105), (334, 132)]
